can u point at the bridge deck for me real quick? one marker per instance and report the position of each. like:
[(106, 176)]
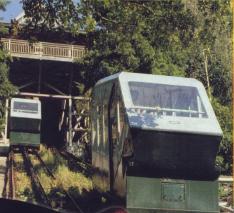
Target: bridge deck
[(43, 50)]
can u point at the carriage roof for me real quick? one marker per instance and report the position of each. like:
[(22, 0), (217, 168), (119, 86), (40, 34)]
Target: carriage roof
[(25, 108), (140, 77), (199, 125)]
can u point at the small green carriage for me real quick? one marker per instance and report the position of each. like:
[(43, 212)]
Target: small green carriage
[(25, 122)]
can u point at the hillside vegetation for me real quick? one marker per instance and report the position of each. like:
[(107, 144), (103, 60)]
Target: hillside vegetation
[(168, 37)]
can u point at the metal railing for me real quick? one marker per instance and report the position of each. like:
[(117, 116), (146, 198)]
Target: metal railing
[(43, 50)]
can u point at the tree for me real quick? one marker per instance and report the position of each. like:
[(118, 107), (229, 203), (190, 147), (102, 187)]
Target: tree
[(3, 3), (6, 87), (159, 37), (148, 37)]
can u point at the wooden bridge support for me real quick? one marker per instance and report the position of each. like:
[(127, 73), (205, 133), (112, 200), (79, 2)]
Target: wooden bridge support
[(78, 121), (74, 115), (4, 128), (70, 121), (39, 76), (74, 118), (6, 120)]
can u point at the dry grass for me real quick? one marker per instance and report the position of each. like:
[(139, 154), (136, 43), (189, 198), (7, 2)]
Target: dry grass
[(70, 179), (74, 182), (23, 182)]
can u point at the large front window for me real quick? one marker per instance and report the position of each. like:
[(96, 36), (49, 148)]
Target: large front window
[(168, 100), (26, 107)]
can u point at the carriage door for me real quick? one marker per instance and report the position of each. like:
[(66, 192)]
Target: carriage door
[(115, 146)]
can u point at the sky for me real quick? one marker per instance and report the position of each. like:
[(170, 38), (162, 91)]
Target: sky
[(13, 9)]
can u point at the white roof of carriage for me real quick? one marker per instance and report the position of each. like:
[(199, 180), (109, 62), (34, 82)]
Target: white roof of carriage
[(20, 113), (208, 125), (170, 80)]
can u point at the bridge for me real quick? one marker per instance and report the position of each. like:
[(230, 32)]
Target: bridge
[(43, 50), (46, 71)]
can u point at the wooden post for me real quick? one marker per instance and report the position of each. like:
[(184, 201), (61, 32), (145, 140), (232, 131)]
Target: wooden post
[(206, 71), (41, 50), (39, 76), (71, 80), (70, 108), (72, 49), (63, 115), (70, 121), (6, 120), (9, 45)]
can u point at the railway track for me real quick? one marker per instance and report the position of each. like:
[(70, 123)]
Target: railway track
[(86, 168), (37, 187), (12, 188), (9, 186), (50, 173), (31, 160)]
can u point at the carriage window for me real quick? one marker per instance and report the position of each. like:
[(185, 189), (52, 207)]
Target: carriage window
[(114, 119), (169, 100), (121, 115), (103, 126), (98, 126), (93, 132), (117, 115), (25, 107)]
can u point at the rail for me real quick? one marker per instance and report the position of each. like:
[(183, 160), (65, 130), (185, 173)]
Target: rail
[(43, 50), (225, 179), (36, 184)]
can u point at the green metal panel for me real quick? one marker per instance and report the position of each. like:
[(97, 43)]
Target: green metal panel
[(28, 124), (165, 195), (26, 139), (173, 192)]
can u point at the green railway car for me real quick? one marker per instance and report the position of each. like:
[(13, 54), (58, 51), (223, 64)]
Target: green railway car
[(25, 122), (154, 143)]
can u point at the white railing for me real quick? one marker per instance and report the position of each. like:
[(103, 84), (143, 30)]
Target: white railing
[(43, 50)]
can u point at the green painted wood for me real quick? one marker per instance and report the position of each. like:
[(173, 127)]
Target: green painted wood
[(22, 138), (165, 195)]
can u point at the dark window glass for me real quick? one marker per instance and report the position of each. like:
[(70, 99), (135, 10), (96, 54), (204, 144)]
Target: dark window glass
[(170, 100), (113, 119), (121, 115), (25, 107)]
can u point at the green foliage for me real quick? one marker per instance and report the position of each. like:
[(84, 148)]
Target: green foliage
[(129, 36), (66, 179), (224, 158), (3, 29), (213, 36), (59, 15), (3, 4), (168, 37), (6, 88)]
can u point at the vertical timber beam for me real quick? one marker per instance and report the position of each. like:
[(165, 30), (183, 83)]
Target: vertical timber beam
[(6, 120), (70, 121), (39, 76), (70, 107), (70, 80)]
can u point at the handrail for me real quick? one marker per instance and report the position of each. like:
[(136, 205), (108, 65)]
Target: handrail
[(43, 50), (166, 109)]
